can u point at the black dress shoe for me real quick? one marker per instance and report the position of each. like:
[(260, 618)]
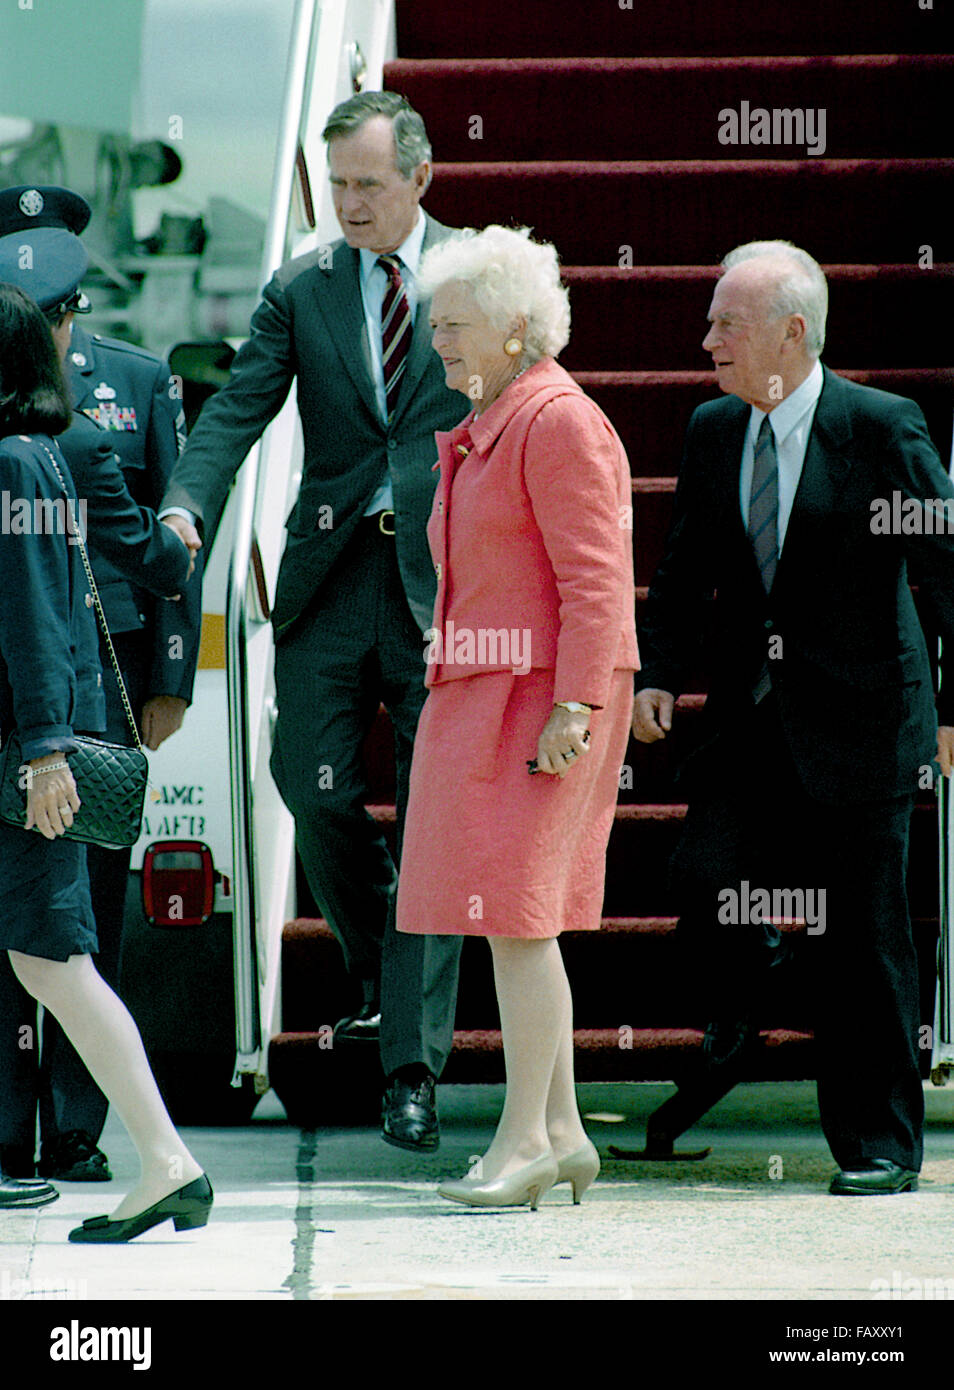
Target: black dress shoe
[(364, 1026), (724, 1043), (187, 1208), (409, 1113), (74, 1157), (20, 1193), (877, 1177)]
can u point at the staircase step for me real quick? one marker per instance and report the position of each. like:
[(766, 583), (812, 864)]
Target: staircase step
[(303, 1069), (635, 972), (601, 28), (692, 212), (652, 318), (650, 410), (669, 108), (634, 1054)]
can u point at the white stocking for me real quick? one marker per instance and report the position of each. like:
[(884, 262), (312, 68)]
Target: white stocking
[(102, 1030), (533, 996)]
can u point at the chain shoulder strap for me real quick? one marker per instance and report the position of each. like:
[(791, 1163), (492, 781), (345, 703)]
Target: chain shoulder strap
[(77, 532)]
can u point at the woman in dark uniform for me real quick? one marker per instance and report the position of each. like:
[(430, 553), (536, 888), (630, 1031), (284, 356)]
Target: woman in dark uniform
[(50, 684)]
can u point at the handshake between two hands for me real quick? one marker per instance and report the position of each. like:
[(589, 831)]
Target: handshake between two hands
[(189, 537)]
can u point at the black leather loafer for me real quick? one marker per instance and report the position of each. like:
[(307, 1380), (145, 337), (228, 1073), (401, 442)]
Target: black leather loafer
[(409, 1113), (20, 1193), (74, 1157), (879, 1177), (364, 1026), (187, 1208), (723, 1044)]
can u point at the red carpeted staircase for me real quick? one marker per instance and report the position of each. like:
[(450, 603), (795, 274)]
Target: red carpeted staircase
[(598, 124)]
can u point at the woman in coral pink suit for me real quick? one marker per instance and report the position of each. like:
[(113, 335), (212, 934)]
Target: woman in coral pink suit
[(531, 657)]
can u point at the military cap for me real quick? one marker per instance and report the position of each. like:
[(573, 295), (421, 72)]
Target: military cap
[(40, 249)]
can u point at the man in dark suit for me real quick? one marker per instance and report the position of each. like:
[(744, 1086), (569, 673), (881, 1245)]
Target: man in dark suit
[(356, 586), (820, 719)]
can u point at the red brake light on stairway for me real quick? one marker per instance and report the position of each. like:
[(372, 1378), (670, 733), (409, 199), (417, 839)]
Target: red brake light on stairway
[(178, 883)]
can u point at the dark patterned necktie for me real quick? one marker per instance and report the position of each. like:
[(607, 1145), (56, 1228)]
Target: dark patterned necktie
[(763, 525), (395, 330), (763, 505)]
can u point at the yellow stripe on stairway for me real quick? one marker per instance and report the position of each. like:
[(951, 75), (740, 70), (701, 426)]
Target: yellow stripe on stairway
[(212, 642)]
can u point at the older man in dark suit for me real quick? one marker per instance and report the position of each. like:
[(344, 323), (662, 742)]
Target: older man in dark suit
[(820, 717), (356, 586)]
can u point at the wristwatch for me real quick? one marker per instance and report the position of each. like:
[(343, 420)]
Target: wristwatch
[(572, 706)]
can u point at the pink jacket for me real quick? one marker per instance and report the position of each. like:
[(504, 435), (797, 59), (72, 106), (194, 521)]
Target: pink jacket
[(532, 541)]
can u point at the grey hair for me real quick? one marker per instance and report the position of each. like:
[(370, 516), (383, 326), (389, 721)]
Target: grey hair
[(802, 290), (411, 145), (510, 276)]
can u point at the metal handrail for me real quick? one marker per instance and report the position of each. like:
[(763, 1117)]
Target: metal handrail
[(943, 1042), (943, 1019), (247, 1014)]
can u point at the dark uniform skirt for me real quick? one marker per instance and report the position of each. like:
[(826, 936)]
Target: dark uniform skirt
[(44, 896)]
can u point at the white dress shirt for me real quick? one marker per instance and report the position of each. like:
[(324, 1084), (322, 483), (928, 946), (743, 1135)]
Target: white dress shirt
[(791, 422)]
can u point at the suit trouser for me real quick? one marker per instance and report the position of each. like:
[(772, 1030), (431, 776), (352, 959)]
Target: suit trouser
[(356, 647), (68, 1096), (754, 822)]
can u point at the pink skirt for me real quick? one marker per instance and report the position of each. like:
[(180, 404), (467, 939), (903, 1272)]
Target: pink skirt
[(489, 850)]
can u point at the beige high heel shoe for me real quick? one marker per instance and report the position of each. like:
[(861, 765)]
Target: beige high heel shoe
[(527, 1184), (579, 1168)]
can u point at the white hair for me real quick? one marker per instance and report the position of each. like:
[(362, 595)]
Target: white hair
[(510, 276), (802, 290)]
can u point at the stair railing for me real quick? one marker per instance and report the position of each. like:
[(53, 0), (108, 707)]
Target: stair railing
[(942, 1046), (248, 1032), (322, 31)]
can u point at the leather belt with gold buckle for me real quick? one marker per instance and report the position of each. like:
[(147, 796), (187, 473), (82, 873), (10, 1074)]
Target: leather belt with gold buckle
[(386, 523)]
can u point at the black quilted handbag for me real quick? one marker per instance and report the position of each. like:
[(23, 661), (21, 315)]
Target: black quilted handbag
[(110, 777)]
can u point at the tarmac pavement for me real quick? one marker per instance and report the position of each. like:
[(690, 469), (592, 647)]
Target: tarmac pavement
[(339, 1215)]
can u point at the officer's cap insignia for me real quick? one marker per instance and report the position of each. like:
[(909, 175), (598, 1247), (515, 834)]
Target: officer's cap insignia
[(31, 202)]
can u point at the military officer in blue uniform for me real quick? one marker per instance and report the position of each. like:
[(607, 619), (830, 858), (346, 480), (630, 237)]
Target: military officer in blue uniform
[(126, 437), (130, 393)]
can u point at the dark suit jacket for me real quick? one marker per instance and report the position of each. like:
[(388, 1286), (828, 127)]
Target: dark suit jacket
[(128, 393), (852, 678), (128, 536), (311, 326)]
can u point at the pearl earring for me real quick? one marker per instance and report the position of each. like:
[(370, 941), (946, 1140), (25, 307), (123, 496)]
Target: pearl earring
[(513, 347)]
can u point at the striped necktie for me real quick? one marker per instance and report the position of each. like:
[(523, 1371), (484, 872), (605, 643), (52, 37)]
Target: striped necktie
[(763, 505), (763, 526), (395, 330)]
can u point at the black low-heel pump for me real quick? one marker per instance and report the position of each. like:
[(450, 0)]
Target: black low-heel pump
[(188, 1208)]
